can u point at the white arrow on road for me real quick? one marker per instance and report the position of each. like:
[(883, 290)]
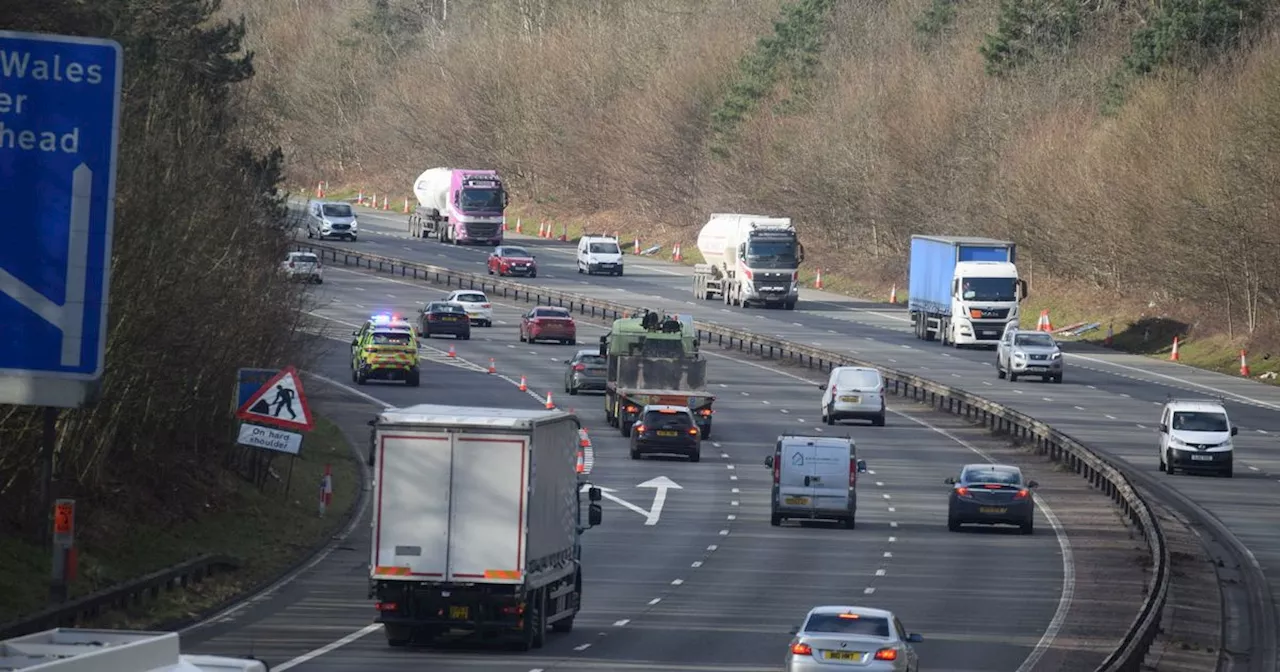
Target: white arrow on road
[(660, 485)]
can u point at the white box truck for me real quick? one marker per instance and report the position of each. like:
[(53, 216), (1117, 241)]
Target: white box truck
[(750, 259), (477, 523), (459, 206)]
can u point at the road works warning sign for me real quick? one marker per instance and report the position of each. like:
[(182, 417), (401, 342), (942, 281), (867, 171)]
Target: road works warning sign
[(281, 403)]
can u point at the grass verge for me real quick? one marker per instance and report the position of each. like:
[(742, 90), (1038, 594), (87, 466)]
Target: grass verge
[(265, 530)]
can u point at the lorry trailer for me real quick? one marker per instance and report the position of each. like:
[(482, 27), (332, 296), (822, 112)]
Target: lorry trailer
[(477, 523), (750, 260), (963, 290), (459, 206)]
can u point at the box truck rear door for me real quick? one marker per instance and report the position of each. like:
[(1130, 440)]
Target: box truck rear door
[(489, 508), (411, 508)]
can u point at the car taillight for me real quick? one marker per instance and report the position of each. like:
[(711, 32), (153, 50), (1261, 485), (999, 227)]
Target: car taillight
[(853, 471), (385, 606), (693, 431), (536, 320), (887, 654), (963, 492), (777, 467), (833, 390), (795, 277), (579, 367), (1022, 494), (801, 649), (638, 428), (704, 412), (485, 305), (432, 318), (632, 409)]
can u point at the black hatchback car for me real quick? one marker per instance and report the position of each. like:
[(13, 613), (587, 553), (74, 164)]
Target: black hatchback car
[(991, 494), (440, 318), (669, 430)]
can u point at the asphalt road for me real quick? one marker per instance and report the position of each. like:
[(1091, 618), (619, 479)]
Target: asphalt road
[(711, 585), (1110, 401)]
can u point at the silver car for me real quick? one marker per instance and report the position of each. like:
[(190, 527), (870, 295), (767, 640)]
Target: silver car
[(852, 638), (1028, 353)]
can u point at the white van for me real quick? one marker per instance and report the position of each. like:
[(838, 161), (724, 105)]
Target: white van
[(815, 478), (332, 219), (853, 392), (1195, 435), (599, 254)]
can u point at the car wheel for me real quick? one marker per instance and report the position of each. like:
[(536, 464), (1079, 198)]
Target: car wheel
[(999, 370), (414, 379), (831, 418), (573, 341), (695, 456), (571, 390), (533, 275), (1161, 466), (635, 454), (466, 337), (1057, 379), (1168, 465), (851, 522), (1028, 527), (522, 337), (878, 421), (775, 520), (953, 524), (823, 411), (1013, 377)]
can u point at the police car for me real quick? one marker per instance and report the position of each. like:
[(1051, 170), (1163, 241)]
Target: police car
[(385, 348)]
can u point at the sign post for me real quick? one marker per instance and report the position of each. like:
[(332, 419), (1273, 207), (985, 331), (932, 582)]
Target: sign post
[(269, 411), (64, 553)]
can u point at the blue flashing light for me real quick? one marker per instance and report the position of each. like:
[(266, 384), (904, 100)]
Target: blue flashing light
[(385, 318)]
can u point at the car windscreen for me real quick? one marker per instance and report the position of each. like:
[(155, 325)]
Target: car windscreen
[(1038, 340), (1199, 421), (305, 258), (337, 211), (1005, 476), (552, 312), (391, 338), (858, 379), (604, 248), (514, 252), (592, 360), (870, 626), (660, 420), (471, 298)]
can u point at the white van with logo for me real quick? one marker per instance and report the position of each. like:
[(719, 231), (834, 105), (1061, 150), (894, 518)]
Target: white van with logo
[(853, 392), (1195, 436), (814, 478), (599, 254)]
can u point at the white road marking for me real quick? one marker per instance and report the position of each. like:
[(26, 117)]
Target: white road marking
[(619, 624), (676, 582), (879, 572), (327, 648), (696, 564), (582, 647), (655, 601)]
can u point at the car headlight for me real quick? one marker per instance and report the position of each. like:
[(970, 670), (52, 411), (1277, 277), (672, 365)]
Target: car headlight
[(1056, 355), (1019, 355)]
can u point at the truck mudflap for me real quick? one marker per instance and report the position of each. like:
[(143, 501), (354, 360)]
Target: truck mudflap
[(628, 403), (420, 613)]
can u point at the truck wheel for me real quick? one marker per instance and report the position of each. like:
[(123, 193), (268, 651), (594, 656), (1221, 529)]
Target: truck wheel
[(791, 305), (397, 635), (539, 619), (414, 379)]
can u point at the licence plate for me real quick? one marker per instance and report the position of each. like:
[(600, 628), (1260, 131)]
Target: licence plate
[(1202, 458), (992, 509), (801, 501), (460, 613), (449, 319), (842, 655), (666, 433), (851, 399)]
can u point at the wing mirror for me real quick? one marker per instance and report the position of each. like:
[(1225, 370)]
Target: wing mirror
[(951, 480), (768, 461), (593, 494), (1235, 430), (795, 631), (1033, 484), (1164, 429), (822, 386), (594, 513), (915, 638), (355, 342), (862, 466)]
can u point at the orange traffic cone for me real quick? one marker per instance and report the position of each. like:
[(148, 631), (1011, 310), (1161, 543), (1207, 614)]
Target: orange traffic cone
[(1173, 355), (519, 225), (1111, 334), (319, 189), (1244, 363), (675, 254), (564, 233), (636, 248), (617, 236), (360, 197), (817, 280), (451, 352), (492, 368), (386, 203), (893, 293), (406, 206), (1043, 324), (373, 201), (550, 405), (523, 387)]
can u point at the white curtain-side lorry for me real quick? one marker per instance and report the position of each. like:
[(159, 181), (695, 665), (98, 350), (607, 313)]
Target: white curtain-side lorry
[(750, 259), (459, 206), (477, 523), (963, 291)]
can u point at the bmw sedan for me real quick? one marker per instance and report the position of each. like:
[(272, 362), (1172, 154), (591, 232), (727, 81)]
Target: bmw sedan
[(991, 494), (441, 318), (852, 638)]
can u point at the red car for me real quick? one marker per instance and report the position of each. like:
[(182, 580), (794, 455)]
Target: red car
[(508, 260), (548, 324)]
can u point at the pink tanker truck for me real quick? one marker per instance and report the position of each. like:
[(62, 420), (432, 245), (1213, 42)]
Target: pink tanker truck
[(459, 206)]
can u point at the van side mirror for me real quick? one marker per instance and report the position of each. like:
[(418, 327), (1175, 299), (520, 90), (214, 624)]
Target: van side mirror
[(822, 386), (1033, 484), (594, 514), (795, 631), (593, 494), (1164, 429), (1235, 430), (768, 461), (951, 480), (915, 638), (862, 466)]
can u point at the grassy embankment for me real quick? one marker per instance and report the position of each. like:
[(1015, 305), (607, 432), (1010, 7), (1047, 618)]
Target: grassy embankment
[(263, 529)]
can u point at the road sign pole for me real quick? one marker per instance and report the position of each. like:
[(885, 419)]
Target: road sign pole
[(49, 444)]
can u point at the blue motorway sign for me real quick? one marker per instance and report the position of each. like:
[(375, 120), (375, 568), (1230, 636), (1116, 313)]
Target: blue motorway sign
[(59, 121), (249, 381)]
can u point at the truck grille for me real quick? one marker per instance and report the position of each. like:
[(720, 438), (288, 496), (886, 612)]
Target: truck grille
[(991, 313), (482, 230), (768, 283), (1039, 357)]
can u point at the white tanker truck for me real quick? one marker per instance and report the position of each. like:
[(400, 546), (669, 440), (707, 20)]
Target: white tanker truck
[(750, 260)]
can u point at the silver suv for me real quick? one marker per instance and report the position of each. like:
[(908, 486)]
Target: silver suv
[(1028, 353)]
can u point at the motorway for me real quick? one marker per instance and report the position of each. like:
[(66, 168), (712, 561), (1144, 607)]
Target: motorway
[(710, 585), (1110, 401)]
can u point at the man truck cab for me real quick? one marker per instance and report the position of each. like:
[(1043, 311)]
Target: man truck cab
[(815, 478)]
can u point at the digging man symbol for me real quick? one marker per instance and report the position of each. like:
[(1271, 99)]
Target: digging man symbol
[(284, 401)]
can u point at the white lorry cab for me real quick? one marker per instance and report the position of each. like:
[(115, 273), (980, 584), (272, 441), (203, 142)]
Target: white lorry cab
[(1195, 435), (86, 650), (599, 254), (815, 478)]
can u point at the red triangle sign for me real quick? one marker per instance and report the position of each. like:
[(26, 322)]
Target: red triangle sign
[(281, 403)]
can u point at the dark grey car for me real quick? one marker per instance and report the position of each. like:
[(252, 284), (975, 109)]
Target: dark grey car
[(991, 494), (585, 371)]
